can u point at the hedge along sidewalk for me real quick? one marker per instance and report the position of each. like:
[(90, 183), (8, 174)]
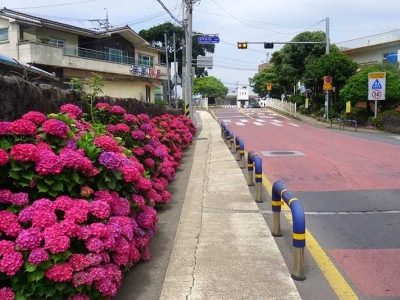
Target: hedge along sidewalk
[(223, 248)]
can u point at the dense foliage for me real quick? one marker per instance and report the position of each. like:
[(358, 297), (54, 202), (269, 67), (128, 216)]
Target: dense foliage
[(78, 199), (209, 86)]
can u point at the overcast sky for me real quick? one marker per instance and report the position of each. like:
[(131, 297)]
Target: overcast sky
[(233, 20)]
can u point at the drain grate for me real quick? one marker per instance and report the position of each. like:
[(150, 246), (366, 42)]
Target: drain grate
[(281, 153)]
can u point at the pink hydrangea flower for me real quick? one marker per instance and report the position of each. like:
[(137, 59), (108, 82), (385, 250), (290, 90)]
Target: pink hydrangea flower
[(71, 109), (138, 151), (138, 135), (19, 199), (94, 244), (144, 118), (130, 173), (5, 196), (28, 239), (3, 157), (49, 164), (4, 127), (43, 219), (100, 209), (147, 218), (78, 212), (103, 106), (116, 109), (23, 127), (146, 128), (25, 152), (106, 287), (79, 262), (143, 184), (122, 127), (6, 247), (129, 118), (7, 294), (60, 272), (9, 223), (149, 162), (38, 256), (107, 143), (11, 263), (56, 127), (79, 296), (35, 117), (81, 278), (54, 241), (139, 200)]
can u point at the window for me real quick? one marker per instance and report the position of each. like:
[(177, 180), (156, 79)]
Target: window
[(4, 34), (57, 42), (145, 60), (148, 95)]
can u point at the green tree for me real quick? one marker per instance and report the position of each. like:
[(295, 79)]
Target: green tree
[(259, 81), (155, 36), (290, 61), (356, 88), (210, 87), (335, 64)]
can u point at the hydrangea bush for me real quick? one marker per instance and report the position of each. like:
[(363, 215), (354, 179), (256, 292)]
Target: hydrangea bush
[(78, 199)]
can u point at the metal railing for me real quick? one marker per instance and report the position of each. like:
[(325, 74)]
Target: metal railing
[(371, 40), (283, 106), (93, 54)]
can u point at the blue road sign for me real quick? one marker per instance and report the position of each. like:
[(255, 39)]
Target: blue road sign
[(377, 85), (208, 39)]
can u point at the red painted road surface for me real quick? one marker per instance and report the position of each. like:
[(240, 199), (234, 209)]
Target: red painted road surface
[(329, 163), (333, 162)]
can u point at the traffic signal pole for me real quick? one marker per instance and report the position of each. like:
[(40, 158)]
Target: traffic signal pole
[(327, 52), (188, 51)]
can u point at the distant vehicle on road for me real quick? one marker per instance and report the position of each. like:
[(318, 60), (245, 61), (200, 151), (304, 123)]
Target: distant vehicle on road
[(254, 105)]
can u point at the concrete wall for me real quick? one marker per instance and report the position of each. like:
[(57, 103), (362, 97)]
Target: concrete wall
[(10, 47), (70, 39), (372, 54)]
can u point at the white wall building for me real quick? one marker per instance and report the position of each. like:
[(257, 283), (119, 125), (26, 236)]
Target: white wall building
[(242, 96)]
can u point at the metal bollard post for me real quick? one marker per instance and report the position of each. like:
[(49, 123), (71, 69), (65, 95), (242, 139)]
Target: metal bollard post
[(237, 152), (242, 159), (331, 123), (277, 203), (279, 191), (258, 174), (222, 129), (232, 145), (228, 138), (250, 168)]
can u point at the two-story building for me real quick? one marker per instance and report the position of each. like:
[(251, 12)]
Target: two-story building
[(129, 65)]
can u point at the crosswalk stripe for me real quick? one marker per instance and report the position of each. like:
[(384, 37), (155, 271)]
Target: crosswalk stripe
[(258, 123), (295, 125), (227, 121), (276, 124), (239, 123), (244, 121), (277, 121), (259, 120)]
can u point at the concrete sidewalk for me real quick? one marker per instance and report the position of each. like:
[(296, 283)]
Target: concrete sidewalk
[(223, 248)]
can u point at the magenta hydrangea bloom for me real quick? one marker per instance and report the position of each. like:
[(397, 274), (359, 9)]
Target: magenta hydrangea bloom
[(129, 118), (72, 110), (116, 109), (94, 244), (60, 272), (110, 160), (49, 164), (149, 162), (139, 200), (28, 239), (56, 127), (6, 247), (5, 196), (143, 184), (79, 296), (138, 135), (43, 219), (22, 127), (19, 199), (4, 127), (144, 118), (130, 173), (147, 218), (146, 128), (7, 294), (11, 263), (79, 262), (9, 223), (122, 127), (106, 287), (35, 117), (107, 143), (38, 256), (100, 209), (3, 157), (138, 151), (25, 152)]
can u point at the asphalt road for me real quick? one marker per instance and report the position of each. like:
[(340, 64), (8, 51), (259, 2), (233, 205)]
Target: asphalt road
[(349, 185)]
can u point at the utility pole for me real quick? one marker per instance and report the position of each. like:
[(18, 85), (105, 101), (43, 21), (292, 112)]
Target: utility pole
[(188, 35), (327, 52), (183, 84), (176, 74), (168, 77)]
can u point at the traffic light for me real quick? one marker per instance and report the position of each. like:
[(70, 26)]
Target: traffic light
[(242, 45), (268, 45)]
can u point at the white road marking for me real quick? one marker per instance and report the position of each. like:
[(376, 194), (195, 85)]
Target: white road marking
[(244, 121), (277, 121), (262, 121), (239, 123), (276, 124), (258, 123), (295, 125)]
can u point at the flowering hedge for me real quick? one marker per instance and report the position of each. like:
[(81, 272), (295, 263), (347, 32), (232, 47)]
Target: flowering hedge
[(77, 200)]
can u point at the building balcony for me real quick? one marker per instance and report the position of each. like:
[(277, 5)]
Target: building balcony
[(32, 51)]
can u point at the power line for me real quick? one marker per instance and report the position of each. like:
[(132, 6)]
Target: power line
[(53, 5), (167, 10), (241, 21)]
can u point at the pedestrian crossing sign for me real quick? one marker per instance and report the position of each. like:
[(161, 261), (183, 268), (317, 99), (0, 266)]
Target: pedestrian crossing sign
[(376, 85)]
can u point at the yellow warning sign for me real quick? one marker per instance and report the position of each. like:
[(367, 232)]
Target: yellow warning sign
[(348, 107)]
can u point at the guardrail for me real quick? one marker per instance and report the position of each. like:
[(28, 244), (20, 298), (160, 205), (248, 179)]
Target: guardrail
[(342, 122), (281, 195), (283, 106), (254, 167), (240, 152)]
